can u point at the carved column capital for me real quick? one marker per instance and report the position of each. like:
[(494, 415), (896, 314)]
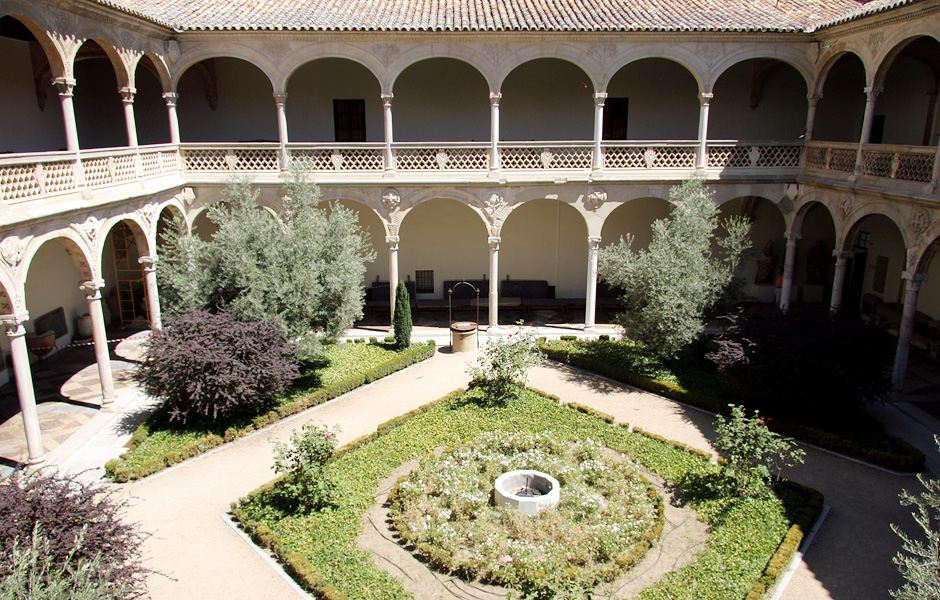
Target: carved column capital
[(92, 288), (705, 97), (392, 241), (171, 98), (127, 94), (387, 100), (494, 241), (148, 262), (813, 99), (872, 91), (280, 98), (65, 85), (594, 241), (15, 323), (495, 98), (600, 98), (792, 238), (914, 279)]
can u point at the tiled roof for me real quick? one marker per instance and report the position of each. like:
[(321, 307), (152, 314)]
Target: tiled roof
[(500, 15)]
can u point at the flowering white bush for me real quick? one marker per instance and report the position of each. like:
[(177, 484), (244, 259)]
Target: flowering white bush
[(607, 517)]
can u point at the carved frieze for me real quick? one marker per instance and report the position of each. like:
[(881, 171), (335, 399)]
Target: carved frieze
[(12, 249), (596, 199), (88, 229), (920, 221), (845, 205), (391, 198)]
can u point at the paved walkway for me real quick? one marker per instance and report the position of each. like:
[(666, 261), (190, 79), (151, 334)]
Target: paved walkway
[(204, 558)]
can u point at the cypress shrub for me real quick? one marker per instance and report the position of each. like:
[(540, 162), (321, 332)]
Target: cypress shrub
[(402, 319)]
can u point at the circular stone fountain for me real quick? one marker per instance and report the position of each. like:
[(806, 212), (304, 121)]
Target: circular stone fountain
[(527, 491)]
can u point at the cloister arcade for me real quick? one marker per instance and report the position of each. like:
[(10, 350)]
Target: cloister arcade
[(472, 157)]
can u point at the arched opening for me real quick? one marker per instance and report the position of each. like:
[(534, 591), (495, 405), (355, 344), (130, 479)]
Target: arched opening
[(758, 99), (634, 218), (203, 226), (372, 225), (814, 268), (446, 240), (652, 99), (766, 234), (226, 100), (334, 100), (546, 240), (150, 113), (873, 277), (906, 111), (126, 295), (99, 112), (547, 99), (441, 100), (31, 115), (841, 109)]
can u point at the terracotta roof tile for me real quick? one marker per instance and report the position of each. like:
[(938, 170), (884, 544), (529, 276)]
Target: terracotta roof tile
[(502, 15)]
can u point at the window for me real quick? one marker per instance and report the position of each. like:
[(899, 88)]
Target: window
[(349, 120), (615, 118), (424, 282)]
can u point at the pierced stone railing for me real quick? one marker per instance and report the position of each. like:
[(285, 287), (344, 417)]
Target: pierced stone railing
[(732, 154), (441, 157), (649, 155), (364, 158), (27, 176), (228, 157), (541, 156), (916, 164)]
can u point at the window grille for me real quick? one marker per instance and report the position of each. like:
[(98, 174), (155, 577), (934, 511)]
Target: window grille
[(424, 282), (349, 120)]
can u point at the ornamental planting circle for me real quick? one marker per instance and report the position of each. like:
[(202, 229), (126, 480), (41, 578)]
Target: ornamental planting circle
[(607, 517)]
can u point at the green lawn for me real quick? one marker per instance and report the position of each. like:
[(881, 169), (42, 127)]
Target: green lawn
[(159, 443), (320, 548)]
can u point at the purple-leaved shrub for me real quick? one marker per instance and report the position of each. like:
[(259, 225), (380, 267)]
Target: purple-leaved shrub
[(211, 365)]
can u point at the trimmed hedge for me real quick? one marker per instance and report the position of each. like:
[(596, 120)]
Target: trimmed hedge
[(424, 434), (905, 458), (121, 472)]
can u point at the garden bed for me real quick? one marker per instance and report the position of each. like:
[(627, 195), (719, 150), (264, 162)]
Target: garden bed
[(860, 436), (158, 443), (750, 540)]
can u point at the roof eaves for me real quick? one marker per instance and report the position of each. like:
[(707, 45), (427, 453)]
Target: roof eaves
[(865, 10)]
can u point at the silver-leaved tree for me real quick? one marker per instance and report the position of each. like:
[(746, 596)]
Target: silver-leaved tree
[(686, 269), (302, 268)]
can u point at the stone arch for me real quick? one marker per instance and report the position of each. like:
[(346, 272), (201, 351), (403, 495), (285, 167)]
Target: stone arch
[(907, 73), (464, 54), (423, 196), (568, 53), (635, 217), (822, 73), (201, 52), (159, 69), (11, 296), (673, 53), (121, 73), (372, 223), (896, 42), (137, 227), (788, 55), (438, 235), (653, 97), (841, 105), (857, 217), (76, 246), (312, 52), (441, 99), (59, 66)]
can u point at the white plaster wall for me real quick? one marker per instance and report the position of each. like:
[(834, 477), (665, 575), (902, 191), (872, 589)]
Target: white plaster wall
[(447, 237), (663, 99), (150, 113), (904, 102), (546, 239), (246, 110), (312, 89), (23, 127), (885, 241), (441, 99), (636, 218), (840, 112), (99, 111), (52, 282), (372, 226), (780, 114), (547, 99)]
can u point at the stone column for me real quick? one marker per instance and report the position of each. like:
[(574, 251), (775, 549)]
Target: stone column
[(16, 332), (127, 98), (599, 99), (494, 284), (871, 94), (705, 98), (392, 241), (153, 294), (171, 100), (66, 86), (100, 338), (590, 296), (389, 132), (906, 329), (789, 261), (280, 100), (494, 131), (811, 115), (838, 280)]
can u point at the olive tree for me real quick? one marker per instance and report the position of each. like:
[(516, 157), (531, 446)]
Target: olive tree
[(686, 269), (302, 268)]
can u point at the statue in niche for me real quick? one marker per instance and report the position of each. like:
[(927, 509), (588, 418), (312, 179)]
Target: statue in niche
[(766, 265), (814, 263)]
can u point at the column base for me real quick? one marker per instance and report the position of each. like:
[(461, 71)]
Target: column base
[(589, 329), (107, 402), (34, 464), (493, 329)]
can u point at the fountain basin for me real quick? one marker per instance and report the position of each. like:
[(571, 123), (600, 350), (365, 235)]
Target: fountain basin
[(527, 491)]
